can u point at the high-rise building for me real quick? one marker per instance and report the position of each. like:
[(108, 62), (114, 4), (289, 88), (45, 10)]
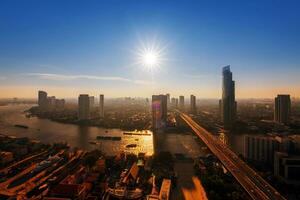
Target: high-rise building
[(159, 111), (168, 100), (51, 102), (282, 108), (173, 101), (101, 105), (229, 104), (83, 107), (260, 148), (193, 104), (181, 102), (176, 102), (92, 101), (42, 99)]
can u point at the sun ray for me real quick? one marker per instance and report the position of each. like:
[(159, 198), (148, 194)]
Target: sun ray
[(150, 54)]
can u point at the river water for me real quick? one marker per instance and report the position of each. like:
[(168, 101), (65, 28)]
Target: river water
[(48, 131)]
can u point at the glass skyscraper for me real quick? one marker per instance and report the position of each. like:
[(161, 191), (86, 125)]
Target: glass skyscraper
[(228, 104)]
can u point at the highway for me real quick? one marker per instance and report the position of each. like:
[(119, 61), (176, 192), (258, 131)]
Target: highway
[(251, 181)]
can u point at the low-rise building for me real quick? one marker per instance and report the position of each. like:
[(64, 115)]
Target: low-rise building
[(287, 167), (6, 157)]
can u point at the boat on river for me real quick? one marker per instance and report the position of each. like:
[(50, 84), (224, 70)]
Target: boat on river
[(136, 132), (131, 145), (114, 138), (21, 126)]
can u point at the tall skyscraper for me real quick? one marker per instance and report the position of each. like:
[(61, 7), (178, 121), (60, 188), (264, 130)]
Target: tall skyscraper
[(159, 111), (168, 100), (101, 105), (181, 102), (282, 108), (193, 104), (92, 101), (83, 107), (229, 104), (173, 101), (42, 99)]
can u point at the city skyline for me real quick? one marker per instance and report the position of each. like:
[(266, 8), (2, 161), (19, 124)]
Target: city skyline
[(68, 55), (156, 100)]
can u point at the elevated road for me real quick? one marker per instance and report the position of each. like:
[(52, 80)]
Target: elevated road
[(253, 183)]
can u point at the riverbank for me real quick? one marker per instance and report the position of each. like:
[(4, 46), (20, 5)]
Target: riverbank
[(113, 120)]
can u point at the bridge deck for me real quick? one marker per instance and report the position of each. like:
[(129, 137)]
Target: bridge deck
[(254, 184)]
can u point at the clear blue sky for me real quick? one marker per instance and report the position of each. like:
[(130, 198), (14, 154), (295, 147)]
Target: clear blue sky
[(71, 47)]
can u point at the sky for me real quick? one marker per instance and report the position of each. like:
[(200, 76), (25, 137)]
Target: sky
[(70, 47)]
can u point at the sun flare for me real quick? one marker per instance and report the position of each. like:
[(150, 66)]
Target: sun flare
[(150, 55), (150, 59)]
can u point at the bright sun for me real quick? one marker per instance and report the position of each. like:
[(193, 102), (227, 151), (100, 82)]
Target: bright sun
[(150, 59), (150, 55)]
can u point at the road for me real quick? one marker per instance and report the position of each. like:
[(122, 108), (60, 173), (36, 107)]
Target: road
[(254, 184)]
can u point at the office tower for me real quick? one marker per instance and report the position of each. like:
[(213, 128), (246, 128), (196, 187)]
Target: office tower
[(101, 105), (260, 148), (42, 99), (51, 102), (173, 101), (282, 108), (228, 99), (168, 99), (92, 101), (193, 104), (181, 102), (83, 107), (159, 111), (176, 102)]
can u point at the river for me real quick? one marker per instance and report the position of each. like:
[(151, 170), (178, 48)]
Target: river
[(48, 131)]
